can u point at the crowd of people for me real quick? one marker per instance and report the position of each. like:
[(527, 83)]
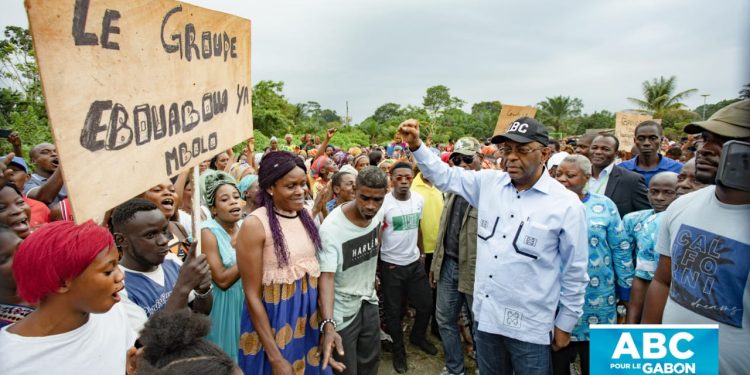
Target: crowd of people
[(314, 257)]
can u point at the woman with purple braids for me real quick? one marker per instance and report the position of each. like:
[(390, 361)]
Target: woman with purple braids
[(276, 255)]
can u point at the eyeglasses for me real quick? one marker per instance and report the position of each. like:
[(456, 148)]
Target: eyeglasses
[(456, 159), (403, 178), (521, 150)]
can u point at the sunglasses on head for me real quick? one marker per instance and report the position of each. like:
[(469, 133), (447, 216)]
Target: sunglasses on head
[(456, 159)]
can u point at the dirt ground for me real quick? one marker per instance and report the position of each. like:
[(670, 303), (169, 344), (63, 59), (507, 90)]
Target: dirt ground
[(419, 362)]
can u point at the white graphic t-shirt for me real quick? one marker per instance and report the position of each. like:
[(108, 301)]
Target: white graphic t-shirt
[(709, 243), (401, 229)]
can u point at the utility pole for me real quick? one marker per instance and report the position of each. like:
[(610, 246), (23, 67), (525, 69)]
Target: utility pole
[(704, 105), (347, 113)]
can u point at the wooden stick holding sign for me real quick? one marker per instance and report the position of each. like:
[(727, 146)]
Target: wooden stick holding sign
[(138, 91), (196, 207)]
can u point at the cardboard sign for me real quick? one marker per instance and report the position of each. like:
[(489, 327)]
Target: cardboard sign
[(625, 123), (138, 91), (510, 113)]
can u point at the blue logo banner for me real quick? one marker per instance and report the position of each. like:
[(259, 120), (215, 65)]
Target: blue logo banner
[(629, 349)]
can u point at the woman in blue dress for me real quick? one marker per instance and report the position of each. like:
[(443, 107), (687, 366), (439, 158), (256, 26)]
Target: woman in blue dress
[(610, 265), (277, 257), (223, 199)]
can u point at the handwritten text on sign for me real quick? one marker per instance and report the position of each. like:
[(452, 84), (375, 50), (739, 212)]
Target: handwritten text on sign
[(625, 123), (510, 113), (138, 91)]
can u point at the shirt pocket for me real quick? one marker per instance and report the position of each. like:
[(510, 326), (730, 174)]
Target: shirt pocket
[(487, 226), (531, 239), (472, 223)]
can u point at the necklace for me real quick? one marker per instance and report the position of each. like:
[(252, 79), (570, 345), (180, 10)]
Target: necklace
[(296, 214)]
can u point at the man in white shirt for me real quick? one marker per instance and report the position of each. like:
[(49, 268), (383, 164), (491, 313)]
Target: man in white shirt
[(626, 188), (401, 267), (532, 250)]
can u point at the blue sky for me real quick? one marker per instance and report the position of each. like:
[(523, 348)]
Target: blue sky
[(374, 52)]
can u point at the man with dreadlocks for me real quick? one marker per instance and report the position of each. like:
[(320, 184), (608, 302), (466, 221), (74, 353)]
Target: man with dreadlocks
[(276, 255)]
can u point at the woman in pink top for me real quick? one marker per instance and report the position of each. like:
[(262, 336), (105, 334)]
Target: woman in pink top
[(277, 259)]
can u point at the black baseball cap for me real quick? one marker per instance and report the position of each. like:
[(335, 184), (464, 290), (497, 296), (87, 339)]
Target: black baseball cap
[(524, 130)]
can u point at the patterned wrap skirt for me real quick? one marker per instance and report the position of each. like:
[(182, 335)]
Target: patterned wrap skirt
[(293, 314)]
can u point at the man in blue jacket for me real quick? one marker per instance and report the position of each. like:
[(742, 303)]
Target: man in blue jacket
[(532, 249)]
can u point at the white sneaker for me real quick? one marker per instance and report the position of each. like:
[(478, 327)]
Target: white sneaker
[(446, 372)]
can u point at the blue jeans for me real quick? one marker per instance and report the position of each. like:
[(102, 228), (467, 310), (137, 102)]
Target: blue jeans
[(498, 354), (447, 310)]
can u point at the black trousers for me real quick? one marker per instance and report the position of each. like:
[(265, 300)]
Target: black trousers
[(410, 281), (361, 339), (562, 359), (427, 266)]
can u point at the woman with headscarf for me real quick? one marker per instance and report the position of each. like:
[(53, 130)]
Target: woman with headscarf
[(217, 235), (361, 161), (249, 189), (610, 266), (277, 256), (323, 169), (385, 166)]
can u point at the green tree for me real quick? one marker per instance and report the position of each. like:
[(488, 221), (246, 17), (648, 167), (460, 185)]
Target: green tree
[(386, 112), (272, 113), (19, 69), (745, 92), (329, 115), (9, 99), (558, 113), (371, 128), (308, 110), (597, 120), (659, 96), (485, 115), (710, 109), (674, 120), (438, 99), (350, 136), (21, 100)]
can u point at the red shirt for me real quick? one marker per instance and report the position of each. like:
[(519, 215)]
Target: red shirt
[(39, 213)]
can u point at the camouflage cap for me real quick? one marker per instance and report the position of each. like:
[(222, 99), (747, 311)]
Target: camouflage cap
[(466, 146)]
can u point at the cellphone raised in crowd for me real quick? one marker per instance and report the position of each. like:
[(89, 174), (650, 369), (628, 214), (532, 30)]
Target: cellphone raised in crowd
[(734, 167)]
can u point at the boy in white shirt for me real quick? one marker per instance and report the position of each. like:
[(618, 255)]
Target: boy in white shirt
[(402, 264)]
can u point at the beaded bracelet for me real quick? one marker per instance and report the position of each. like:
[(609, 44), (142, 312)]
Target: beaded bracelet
[(327, 321)]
